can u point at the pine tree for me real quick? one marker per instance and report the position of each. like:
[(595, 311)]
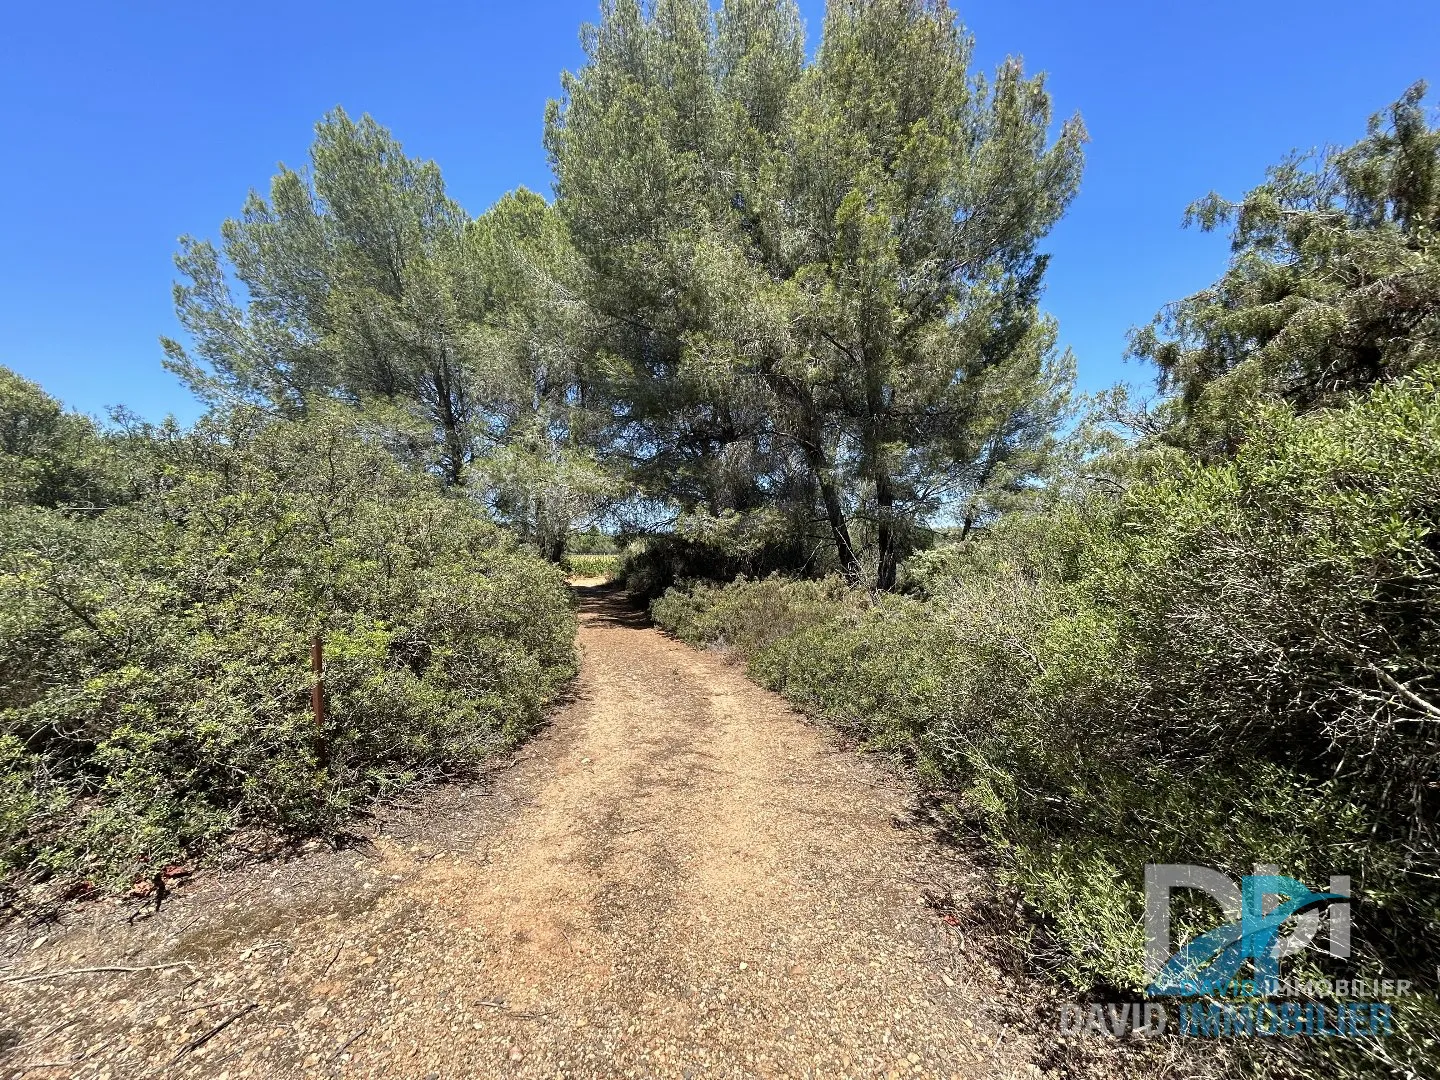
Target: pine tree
[(832, 266), (1334, 285), (355, 283)]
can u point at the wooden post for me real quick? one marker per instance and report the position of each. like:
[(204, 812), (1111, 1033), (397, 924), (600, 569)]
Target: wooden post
[(317, 690), (317, 698)]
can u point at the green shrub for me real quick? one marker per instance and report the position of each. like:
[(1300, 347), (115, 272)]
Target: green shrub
[(154, 656), (1233, 664), (747, 615), (591, 542), (718, 549), (50, 457)]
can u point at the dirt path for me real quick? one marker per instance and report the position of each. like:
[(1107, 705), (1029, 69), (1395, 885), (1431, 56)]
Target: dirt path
[(679, 878)]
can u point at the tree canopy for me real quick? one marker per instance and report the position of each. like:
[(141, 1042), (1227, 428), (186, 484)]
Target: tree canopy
[(1334, 283), (360, 280), (817, 283), (779, 302)]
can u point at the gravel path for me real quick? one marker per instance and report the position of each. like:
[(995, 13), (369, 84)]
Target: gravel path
[(678, 877)]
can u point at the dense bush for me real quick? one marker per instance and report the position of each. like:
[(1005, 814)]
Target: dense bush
[(748, 615), (154, 653), (591, 542), (48, 457), (718, 549), (1233, 664)]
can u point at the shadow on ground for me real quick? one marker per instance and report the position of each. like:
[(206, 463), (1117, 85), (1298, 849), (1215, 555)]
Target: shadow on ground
[(609, 605)]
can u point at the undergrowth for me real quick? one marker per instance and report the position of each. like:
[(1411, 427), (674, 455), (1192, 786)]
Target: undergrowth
[(1231, 665), (155, 639)]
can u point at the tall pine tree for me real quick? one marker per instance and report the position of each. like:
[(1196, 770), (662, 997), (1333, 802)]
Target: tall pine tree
[(826, 271)]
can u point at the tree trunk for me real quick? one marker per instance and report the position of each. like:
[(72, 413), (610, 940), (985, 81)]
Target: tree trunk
[(453, 456), (811, 441), (554, 549), (874, 436), (886, 536), (834, 511), (840, 530)]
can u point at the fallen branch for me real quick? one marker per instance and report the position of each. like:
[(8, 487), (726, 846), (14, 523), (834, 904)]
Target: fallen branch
[(201, 1040), (347, 1044), (40, 976), (1406, 694), (326, 970)]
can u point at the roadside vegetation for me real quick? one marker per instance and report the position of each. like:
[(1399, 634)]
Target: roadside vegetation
[(774, 356), (1215, 642), (159, 592), (592, 566)]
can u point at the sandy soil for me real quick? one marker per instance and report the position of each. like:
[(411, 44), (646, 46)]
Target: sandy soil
[(678, 877)]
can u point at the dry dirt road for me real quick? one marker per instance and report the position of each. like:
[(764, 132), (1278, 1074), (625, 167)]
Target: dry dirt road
[(677, 877)]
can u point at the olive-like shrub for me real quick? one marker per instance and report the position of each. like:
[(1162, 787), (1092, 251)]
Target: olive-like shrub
[(1232, 664), (155, 640)]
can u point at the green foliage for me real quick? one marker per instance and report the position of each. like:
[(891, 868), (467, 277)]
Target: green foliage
[(819, 280), (154, 671), (1233, 664), (543, 487), (1334, 284), (543, 469), (354, 276), (51, 457), (592, 566), (361, 281), (748, 616), (592, 542), (800, 292), (714, 548)]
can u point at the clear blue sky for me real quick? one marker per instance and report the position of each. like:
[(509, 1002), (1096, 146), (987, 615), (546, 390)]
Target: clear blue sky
[(126, 125)]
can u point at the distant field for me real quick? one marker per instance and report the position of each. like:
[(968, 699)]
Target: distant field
[(592, 565)]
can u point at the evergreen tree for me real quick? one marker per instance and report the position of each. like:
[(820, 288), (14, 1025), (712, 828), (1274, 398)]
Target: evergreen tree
[(829, 268), (357, 282), (539, 466), (1334, 285), (362, 280)]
